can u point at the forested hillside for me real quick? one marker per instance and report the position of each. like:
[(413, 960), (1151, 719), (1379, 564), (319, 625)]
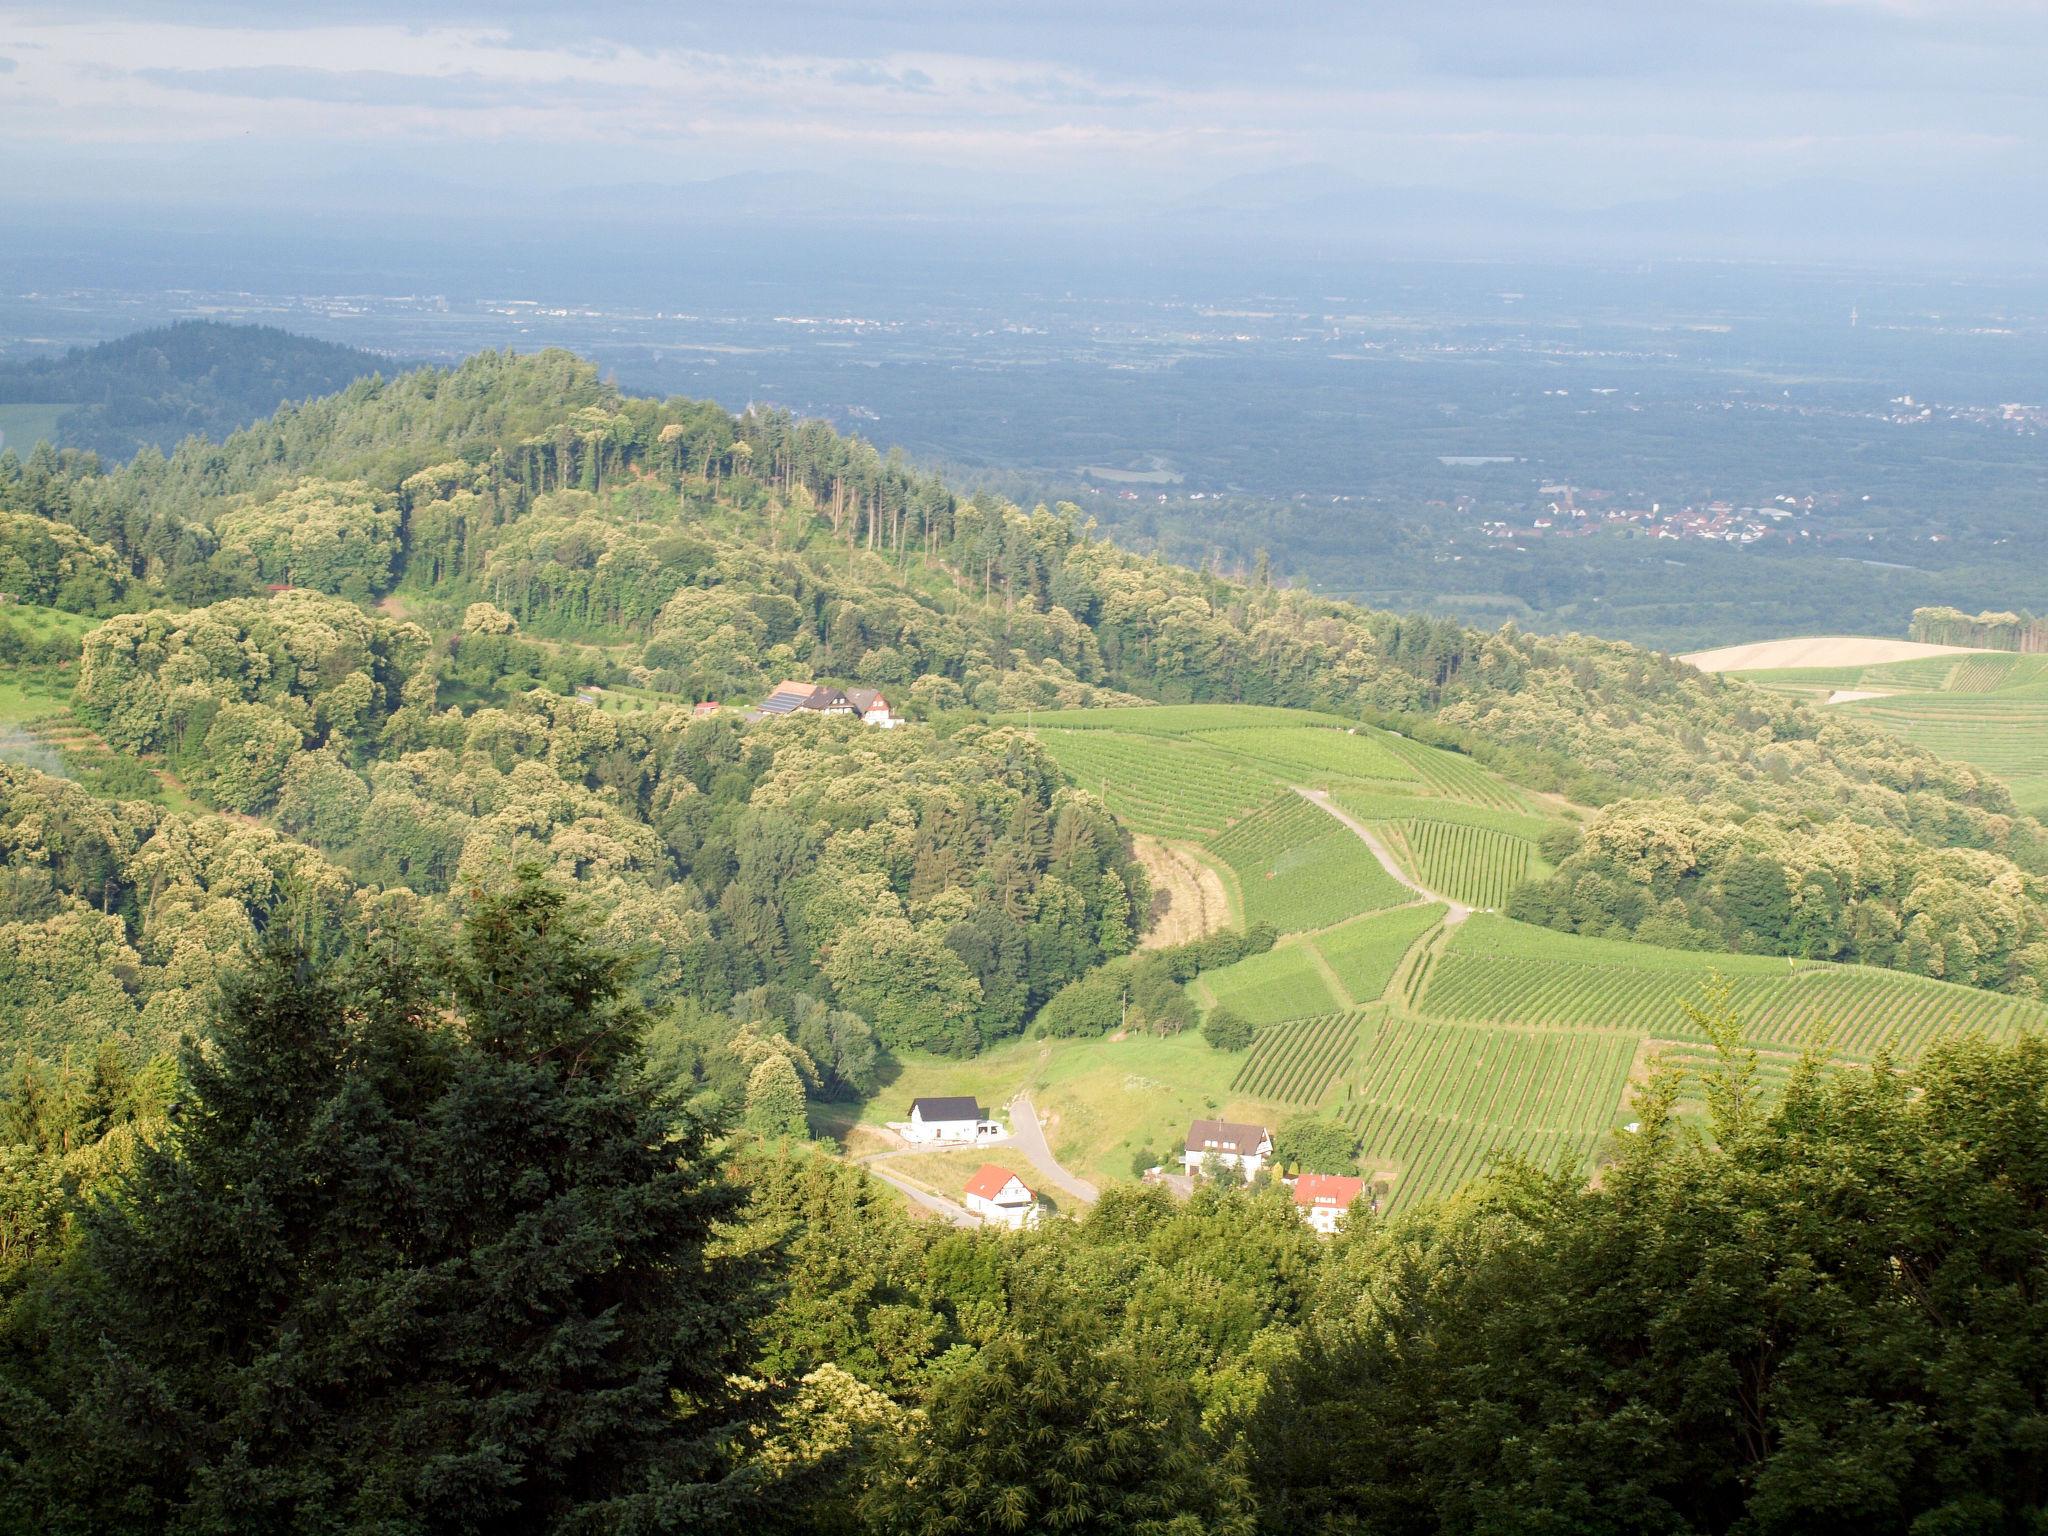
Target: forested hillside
[(198, 378), (450, 990)]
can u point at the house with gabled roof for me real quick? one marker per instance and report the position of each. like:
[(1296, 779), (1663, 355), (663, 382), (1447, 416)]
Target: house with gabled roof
[(1000, 1198), (1324, 1199), (795, 696), (945, 1118), (1231, 1143)]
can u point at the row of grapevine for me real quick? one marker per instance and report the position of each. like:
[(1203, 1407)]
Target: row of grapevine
[(1475, 865), (1858, 1008), (1315, 756), (1158, 785), (1299, 868), (1296, 1063)]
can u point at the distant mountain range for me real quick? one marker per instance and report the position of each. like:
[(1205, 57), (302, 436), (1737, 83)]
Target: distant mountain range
[(197, 378)]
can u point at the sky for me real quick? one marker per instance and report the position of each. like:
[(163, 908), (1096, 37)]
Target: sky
[(1885, 116)]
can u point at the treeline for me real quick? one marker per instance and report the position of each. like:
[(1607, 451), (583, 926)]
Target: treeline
[(1706, 878), (195, 379), (1987, 631), (439, 1237)]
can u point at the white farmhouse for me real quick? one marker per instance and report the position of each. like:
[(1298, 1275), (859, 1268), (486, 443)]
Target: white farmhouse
[(1324, 1199), (947, 1120), (1243, 1147), (1001, 1199)]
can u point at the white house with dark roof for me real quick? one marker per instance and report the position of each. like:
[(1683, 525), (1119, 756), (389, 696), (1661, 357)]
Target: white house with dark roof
[(1234, 1145), (1001, 1199), (943, 1119)]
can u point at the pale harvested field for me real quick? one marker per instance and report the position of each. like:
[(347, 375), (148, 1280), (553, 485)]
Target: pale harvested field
[(1818, 651), (1188, 899)]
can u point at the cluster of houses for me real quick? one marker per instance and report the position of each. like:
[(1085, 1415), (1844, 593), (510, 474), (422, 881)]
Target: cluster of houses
[(1001, 1198), (1323, 1199), (794, 696)]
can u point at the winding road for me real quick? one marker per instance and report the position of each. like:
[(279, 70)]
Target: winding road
[(1458, 910), (1030, 1140)]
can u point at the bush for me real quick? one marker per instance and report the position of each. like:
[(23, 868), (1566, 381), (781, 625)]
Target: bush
[(1228, 1031)]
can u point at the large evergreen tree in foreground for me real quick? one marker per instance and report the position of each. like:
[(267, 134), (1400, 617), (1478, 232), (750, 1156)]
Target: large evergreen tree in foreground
[(422, 1253)]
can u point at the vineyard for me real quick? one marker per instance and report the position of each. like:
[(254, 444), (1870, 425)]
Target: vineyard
[(1298, 868), (1434, 1101), (1316, 756), (1159, 785), (1363, 955), (1476, 865), (1295, 1064), (1497, 972), (1283, 983)]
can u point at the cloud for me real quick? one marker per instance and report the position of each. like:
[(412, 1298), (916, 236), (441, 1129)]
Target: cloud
[(357, 87)]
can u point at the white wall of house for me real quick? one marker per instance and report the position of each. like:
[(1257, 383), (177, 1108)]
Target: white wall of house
[(1015, 1207), (922, 1130), (1248, 1163)]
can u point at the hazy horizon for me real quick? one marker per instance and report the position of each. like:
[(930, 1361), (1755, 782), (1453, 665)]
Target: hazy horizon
[(1804, 130)]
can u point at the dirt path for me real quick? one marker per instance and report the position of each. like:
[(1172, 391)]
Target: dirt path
[(1188, 899), (1030, 1140), (1458, 910)]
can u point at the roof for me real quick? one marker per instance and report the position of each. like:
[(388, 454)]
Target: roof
[(1227, 1136), (957, 1107), (865, 699), (990, 1179), (1331, 1191), (789, 694)]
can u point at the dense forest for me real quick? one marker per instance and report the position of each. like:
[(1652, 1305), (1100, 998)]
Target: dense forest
[(198, 378), (441, 1233), (412, 1022)]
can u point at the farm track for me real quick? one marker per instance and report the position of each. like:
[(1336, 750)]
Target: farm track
[(1455, 911)]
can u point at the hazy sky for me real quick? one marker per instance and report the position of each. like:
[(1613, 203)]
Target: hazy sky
[(1581, 103)]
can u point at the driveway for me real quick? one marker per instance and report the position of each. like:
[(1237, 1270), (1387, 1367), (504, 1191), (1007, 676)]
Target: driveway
[(959, 1215), (1030, 1140), (1458, 912)]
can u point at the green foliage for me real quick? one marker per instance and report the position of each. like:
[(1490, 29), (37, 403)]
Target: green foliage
[(338, 537), (395, 1269), (1317, 1145), (1228, 1030)]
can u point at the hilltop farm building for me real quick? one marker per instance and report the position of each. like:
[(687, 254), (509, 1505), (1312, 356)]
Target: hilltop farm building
[(794, 696)]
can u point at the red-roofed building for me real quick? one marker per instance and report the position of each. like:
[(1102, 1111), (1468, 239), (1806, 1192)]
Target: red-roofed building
[(1324, 1198), (1001, 1199)]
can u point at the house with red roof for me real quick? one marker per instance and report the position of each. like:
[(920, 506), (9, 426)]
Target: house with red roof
[(1001, 1199), (1324, 1199)]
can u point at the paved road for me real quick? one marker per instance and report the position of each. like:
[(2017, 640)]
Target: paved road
[(959, 1215), (1458, 910), (1030, 1140)]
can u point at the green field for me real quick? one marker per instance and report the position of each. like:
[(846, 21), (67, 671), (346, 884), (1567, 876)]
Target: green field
[(1989, 710), (23, 426)]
